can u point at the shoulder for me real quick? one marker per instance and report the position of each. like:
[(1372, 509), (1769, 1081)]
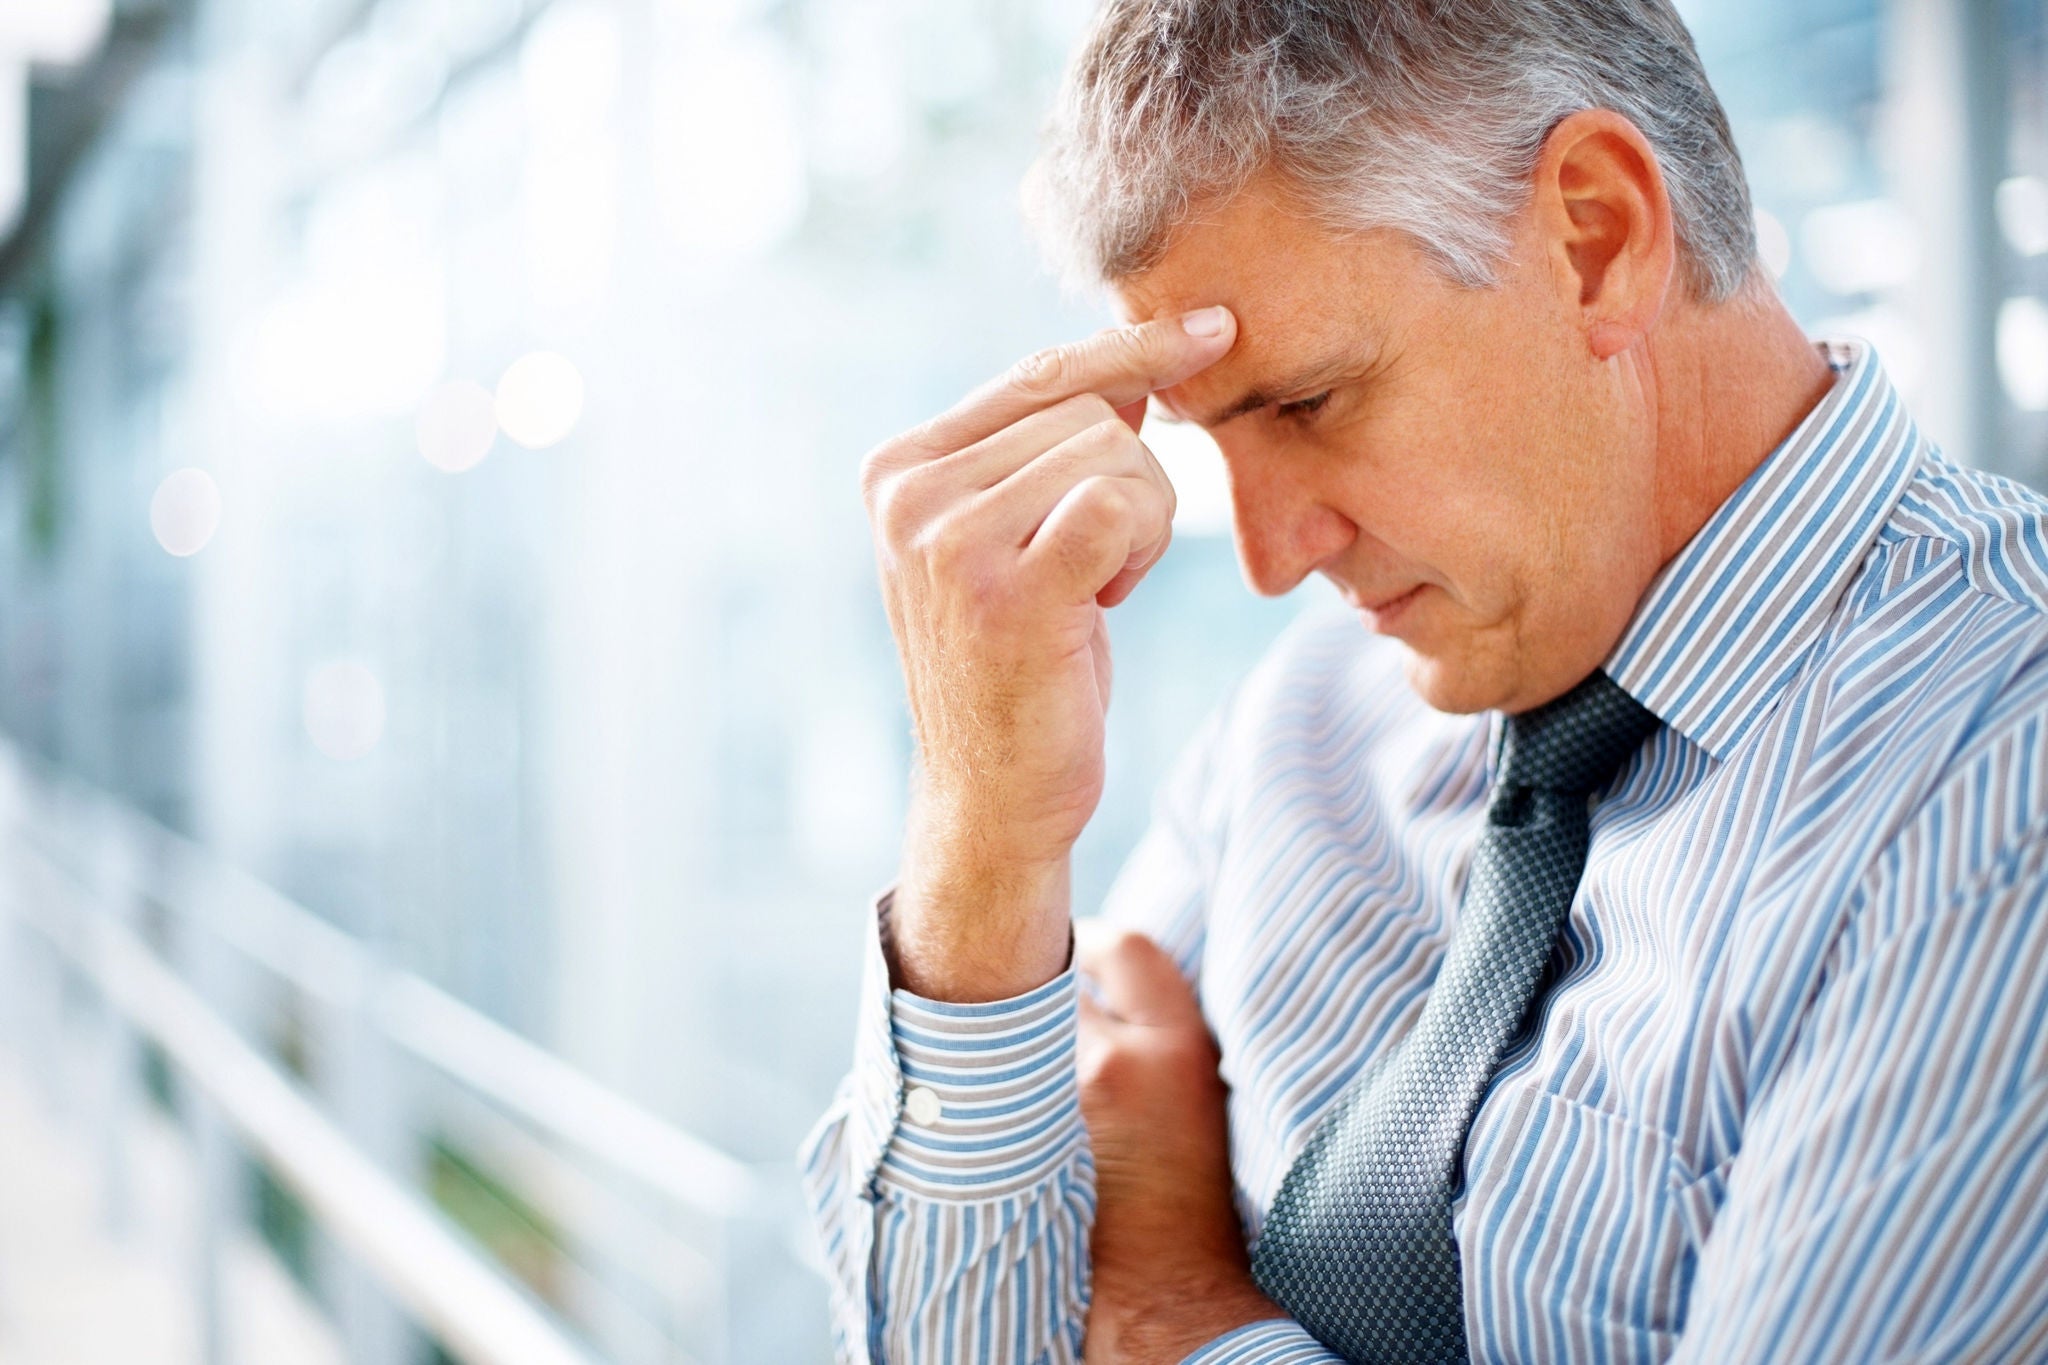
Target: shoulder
[(1990, 532), (1944, 630), (1904, 756), (1926, 710)]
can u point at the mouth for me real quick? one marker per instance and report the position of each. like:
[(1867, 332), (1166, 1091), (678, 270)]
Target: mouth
[(1383, 613)]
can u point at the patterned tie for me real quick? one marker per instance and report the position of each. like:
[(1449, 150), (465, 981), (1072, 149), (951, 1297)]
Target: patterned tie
[(1358, 1245)]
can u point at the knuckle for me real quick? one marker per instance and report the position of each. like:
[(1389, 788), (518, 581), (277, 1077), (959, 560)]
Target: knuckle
[(947, 544), (892, 509), (1102, 492), (910, 504), (1109, 436), (1099, 504), (875, 468), (1043, 371), (1087, 410), (1120, 344), (1170, 492)]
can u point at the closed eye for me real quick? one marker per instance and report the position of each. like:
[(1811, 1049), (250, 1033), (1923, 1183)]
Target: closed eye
[(1303, 407)]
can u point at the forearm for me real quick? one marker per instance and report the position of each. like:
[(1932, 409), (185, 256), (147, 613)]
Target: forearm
[(971, 923)]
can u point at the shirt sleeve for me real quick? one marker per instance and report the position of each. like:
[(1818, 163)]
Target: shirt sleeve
[(950, 1180), (1276, 1341), (1890, 1200)]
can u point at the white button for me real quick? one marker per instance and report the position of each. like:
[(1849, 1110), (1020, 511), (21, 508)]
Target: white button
[(922, 1104)]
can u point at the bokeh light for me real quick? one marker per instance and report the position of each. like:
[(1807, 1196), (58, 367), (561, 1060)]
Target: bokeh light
[(1894, 337), (539, 399), (569, 67), (1773, 243), (368, 345), (13, 140), (2022, 207), (1860, 247), (2023, 353), (184, 512), (61, 32), (457, 425), (728, 150), (343, 707)]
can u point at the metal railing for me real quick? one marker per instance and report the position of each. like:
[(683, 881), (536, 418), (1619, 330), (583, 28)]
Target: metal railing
[(670, 1250)]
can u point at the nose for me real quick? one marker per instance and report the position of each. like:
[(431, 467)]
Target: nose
[(1282, 527)]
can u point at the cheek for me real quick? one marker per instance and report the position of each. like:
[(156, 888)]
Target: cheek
[(1450, 491)]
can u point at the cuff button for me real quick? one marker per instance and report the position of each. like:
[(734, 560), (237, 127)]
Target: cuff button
[(922, 1104)]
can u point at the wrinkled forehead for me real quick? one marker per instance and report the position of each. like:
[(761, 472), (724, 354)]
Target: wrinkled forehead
[(1299, 292)]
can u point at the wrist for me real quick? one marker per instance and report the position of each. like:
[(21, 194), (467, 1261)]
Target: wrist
[(969, 935), (971, 828), (1170, 1322)]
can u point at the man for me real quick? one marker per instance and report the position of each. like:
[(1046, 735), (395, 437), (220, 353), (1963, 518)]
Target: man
[(1626, 941)]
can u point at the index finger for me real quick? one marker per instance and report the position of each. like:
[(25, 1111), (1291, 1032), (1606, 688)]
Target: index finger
[(1121, 364)]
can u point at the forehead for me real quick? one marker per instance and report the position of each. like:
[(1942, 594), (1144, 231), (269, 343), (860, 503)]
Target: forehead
[(1299, 291)]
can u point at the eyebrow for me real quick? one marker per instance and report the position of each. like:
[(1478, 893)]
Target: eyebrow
[(1261, 395)]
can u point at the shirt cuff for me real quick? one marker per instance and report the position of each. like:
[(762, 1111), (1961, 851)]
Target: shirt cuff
[(963, 1102), (1276, 1341)]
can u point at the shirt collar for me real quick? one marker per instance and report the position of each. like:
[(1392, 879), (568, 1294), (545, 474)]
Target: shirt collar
[(1727, 622)]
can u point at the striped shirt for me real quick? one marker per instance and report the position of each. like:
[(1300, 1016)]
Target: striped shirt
[(1787, 1096)]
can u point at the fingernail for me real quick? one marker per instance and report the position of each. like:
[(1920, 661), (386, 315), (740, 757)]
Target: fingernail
[(1205, 322)]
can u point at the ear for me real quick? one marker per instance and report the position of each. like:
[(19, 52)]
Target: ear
[(1605, 223)]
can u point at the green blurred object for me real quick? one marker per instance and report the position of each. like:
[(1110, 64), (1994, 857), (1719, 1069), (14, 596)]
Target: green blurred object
[(42, 482), (518, 1235), (286, 1227)]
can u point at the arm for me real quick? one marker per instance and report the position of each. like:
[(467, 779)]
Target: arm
[(1890, 1201), (874, 1174), (951, 1181), (886, 1190), (948, 1251)]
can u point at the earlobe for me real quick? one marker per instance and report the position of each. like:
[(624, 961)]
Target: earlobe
[(1609, 220), (1607, 340)]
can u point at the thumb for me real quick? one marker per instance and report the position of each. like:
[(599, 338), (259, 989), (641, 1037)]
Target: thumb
[(1137, 981)]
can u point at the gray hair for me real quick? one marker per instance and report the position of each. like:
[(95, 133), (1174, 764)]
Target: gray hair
[(1424, 116)]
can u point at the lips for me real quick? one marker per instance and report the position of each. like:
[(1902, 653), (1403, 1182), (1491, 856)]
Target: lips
[(1386, 616), (1377, 607), (1382, 611)]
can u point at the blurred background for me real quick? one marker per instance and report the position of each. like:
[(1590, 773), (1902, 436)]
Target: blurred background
[(448, 730)]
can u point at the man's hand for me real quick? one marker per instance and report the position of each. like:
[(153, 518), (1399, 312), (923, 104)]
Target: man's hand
[(1170, 1269), (1002, 530)]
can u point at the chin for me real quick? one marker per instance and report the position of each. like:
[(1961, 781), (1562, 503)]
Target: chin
[(1454, 686)]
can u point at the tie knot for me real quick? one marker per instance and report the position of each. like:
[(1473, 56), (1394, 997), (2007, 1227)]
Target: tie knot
[(1575, 743)]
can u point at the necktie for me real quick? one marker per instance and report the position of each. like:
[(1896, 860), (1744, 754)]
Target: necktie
[(1358, 1245)]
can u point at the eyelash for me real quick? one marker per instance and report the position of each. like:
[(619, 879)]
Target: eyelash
[(1303, 407)]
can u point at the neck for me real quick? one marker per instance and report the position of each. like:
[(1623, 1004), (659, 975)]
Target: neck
[(1732, 381)]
